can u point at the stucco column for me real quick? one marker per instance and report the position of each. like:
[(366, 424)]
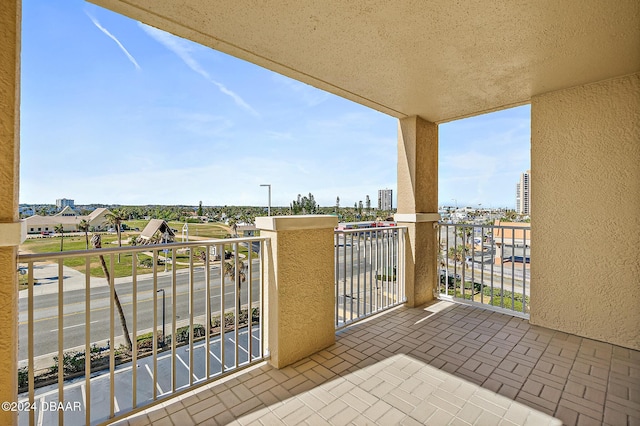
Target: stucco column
[(300, 274), (418, 205), (10, 228)]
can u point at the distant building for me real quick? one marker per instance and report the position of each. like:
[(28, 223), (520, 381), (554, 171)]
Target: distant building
[(385, 199), (69, 220), (157, 231), (523, 194), (61, 203)]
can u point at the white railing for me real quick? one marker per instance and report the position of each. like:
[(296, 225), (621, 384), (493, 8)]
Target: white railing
[(369, 272), (71, 309), (486, 265)]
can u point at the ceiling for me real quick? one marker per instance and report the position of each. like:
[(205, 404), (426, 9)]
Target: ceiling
[(438, 59)]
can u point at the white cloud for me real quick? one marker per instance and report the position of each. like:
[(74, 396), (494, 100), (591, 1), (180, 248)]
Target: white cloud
[(308, 94), (183, 50), (112, 37)]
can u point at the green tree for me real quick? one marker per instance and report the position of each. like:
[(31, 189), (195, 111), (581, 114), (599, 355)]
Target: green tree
[(84, 227), (200, 209), (233, 224), (304, 205), (96, 241), (115, 219), (59, 229), (239, 276)]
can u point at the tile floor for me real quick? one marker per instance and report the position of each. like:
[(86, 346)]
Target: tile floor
[(444, 364)]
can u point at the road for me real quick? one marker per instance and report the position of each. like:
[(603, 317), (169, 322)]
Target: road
[(46, 308), (75, 391)]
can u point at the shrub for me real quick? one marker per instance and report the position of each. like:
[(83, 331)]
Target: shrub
[(23, 377)]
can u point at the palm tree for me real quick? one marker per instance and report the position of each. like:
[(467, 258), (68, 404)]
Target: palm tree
[(133, 241), (115, 218), (84, 227), (230, 271), (233, 224), (59, 229), (96, 241)]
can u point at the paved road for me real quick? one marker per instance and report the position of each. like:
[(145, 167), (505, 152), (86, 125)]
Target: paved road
[(75, 391), (46, 309)]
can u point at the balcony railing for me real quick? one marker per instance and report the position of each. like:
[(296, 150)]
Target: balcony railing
[(486, 265), (369, 272), (197, 315)]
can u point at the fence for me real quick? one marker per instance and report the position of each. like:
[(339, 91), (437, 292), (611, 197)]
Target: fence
[(194, 316), (369, 272), (486, 265)]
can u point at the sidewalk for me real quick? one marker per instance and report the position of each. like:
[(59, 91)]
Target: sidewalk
[(46, 275)]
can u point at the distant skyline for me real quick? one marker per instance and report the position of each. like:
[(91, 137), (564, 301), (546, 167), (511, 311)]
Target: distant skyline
[(117, 112)]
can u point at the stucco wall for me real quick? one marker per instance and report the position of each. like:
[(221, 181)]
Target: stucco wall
[(10, 16), (418, 196), (585, 161), (300, 275)]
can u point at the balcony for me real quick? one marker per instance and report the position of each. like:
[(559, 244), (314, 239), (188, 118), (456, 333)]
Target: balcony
[(452, 361), (583, 87), (445, 363)]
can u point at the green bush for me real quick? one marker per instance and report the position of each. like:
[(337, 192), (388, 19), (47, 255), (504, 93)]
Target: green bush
[(23, 377)]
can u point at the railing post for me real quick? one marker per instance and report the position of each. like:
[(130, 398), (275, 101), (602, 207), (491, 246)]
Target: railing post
[(299, 273), (420, 256)]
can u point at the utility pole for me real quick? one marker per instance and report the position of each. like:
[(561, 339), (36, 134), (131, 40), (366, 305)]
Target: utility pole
[(268, 185)]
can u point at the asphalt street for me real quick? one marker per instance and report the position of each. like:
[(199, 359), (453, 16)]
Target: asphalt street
[(46, 308), (147, 378)]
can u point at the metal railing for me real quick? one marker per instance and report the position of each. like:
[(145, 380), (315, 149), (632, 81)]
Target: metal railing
[(486, 265), (369, 272), (208, 301)]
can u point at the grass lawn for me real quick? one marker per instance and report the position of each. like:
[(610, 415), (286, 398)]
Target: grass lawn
[(208, 230), (52, 245), (124, 267)]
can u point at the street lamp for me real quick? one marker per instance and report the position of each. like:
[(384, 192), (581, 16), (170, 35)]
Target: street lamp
[(164, 336), (166, 251), (268, 185)]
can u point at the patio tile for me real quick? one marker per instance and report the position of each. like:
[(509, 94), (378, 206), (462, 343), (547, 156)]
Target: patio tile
[(446, 364)]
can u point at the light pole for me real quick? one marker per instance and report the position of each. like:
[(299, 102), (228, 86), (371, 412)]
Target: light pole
[(166, 251), (163, 335), (268, 185), (456, 210)]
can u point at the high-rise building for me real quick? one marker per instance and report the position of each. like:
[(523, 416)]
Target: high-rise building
[(385, 199), (523, 194), (61, 203)]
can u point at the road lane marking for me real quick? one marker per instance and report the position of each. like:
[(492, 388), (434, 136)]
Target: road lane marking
[(238, 346), (116, 407), (186, 366), (55, 317), (84, 395), (40, 412), (152, 379), (72, 326)]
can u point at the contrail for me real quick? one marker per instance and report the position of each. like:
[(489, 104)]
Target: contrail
[(181, 49), (112, 37)]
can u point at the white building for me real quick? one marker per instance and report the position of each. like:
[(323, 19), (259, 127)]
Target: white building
[(385, 199), (69, 220), (61, 203), (523, 194)]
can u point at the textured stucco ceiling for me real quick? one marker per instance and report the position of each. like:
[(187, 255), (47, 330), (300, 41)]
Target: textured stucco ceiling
[(439, 59)]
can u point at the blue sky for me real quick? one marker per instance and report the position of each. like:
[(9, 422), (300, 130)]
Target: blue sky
[(116, 112)]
